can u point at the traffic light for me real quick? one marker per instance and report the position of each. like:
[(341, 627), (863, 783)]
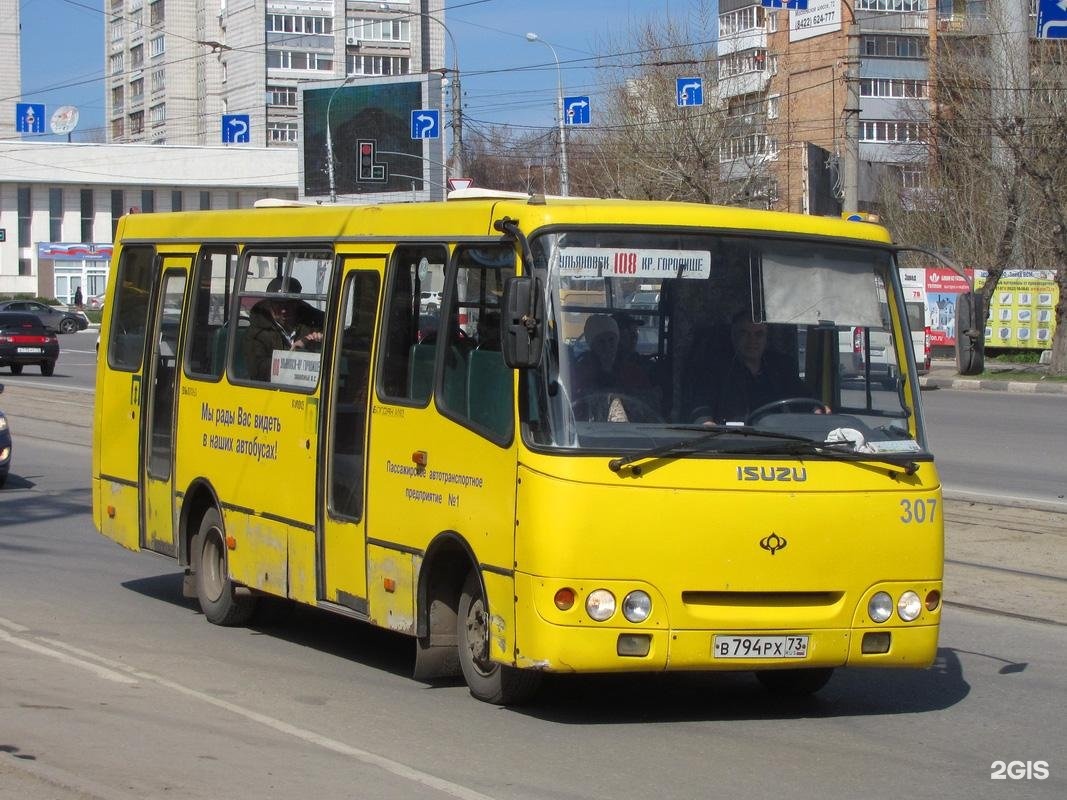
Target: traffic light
[(368, 170)]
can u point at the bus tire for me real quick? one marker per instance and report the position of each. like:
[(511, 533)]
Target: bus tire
[(794, 682), (487, 680), (214, 590)]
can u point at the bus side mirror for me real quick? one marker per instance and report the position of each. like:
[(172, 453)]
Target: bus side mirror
[(970, 333), (523, 325)]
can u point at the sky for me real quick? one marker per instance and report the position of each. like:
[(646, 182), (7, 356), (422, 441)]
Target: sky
[(506, 80)]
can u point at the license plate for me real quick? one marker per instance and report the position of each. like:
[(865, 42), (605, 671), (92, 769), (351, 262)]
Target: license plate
[(30, 350), (760, 646)]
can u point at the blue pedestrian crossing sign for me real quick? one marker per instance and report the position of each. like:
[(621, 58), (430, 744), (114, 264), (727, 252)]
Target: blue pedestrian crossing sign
[(795, 5), (29, 117), (236, 129), (689, 92), (576, 110), (1052, 19), (425, 123)]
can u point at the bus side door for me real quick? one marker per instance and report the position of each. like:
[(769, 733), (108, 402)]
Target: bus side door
[(342, 550), (162, 370)]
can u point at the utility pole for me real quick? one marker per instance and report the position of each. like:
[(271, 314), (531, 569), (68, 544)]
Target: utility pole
[(850, 155)]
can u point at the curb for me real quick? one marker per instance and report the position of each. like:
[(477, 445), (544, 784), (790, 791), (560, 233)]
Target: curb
[(1017, 387)]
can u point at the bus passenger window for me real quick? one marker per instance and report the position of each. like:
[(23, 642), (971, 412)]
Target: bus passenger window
[(409, 348), (130, 316), (210, 325)]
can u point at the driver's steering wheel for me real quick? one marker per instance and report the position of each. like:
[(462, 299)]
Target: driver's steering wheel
[(594, 407), (780, 406)]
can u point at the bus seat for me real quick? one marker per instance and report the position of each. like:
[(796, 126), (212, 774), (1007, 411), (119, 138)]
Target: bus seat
[(489, 390), (420, 371), (218, 347)]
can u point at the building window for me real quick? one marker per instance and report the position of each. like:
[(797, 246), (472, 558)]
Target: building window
[(176, 200), (744, 19), (297, 23), (155, 11), (282, 96), (158, 46), (115, 63), (157, 114), (137, 57), (299, 60), (205, 200), (136, 123), (895, 46), (377, 65), (772, 106), (117, 29), (25, 216), (118, 127), (136, 91), (892, 5), (25, 267), (88, 211), (379, 30), (894, 87), (159, 80), (278, 132), (891, 131), (752, 146), (148, 201), (117, 98), (911, 178), (118, 208), (55, 215)]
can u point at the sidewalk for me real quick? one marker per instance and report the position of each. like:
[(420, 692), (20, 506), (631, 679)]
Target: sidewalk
[(1030, 379)]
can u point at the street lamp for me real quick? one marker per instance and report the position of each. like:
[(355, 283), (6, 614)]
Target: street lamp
[(563, 181), (456, 160), (329, 138)]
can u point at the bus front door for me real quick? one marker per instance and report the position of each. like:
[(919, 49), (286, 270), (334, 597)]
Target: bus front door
[(342, 550), (157, 434)]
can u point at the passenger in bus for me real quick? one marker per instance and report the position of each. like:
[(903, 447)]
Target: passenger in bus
[(280, 323), (755, 376), (631, 368), (594, 370)]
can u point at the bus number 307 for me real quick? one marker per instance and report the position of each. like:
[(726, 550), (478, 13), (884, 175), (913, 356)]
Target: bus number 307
[(917, 511)]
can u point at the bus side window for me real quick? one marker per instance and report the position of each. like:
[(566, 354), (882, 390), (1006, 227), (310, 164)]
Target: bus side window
[(209, 325), (130, 315), (409, 348)]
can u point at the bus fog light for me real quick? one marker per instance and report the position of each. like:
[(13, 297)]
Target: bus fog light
[(875, 642), (880, 607), (600, 604), (909, 606), (637, 606), (633, 644), (933, 600), (564, 599)]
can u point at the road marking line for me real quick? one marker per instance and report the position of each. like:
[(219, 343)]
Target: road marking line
[(12, 626), (123, 673)]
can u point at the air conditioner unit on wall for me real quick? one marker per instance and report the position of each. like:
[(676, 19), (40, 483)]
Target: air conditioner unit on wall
[(353, 41)]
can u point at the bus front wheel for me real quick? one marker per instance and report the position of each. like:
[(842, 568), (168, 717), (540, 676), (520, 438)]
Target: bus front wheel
[(219, 599), (488, 681), (794, 682)]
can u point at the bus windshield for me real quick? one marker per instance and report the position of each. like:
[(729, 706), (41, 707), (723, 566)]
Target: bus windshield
[(651, 337)]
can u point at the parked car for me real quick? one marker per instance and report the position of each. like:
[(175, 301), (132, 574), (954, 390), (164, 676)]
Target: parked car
[(920, 335), (853, 347), (96, 302), (5, 446), (57, 320), (24, 340)]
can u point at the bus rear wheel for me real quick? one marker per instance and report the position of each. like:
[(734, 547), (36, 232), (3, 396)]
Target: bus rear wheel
[(219, 599), (487, 680), (794, 682)]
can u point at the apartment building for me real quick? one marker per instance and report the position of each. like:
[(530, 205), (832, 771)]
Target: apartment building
[(10, 65), (175, 67), (783, 78)]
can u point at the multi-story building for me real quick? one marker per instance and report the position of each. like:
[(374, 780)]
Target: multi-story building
[(10, 65), (175, 67), (784, 79)]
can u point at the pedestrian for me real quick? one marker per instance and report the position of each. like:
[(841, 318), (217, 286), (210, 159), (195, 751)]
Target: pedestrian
[(78, 300)]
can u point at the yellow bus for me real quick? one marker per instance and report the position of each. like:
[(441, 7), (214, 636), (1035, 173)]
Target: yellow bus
[(279, 411)]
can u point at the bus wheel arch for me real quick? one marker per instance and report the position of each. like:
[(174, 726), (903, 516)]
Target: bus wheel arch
[(444, 567)]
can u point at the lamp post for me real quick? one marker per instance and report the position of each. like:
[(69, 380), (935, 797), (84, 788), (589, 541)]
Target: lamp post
[(564, 183), (456, 159), (329, 139)]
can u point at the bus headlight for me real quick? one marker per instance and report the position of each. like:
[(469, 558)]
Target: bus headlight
[(909, 606), (600, 604), (636, 606), (880, 607)]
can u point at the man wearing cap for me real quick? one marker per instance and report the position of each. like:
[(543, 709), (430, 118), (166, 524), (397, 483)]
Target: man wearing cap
[(279, 323)]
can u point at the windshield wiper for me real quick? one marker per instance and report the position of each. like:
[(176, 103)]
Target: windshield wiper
[(711, 432), (791, 444)]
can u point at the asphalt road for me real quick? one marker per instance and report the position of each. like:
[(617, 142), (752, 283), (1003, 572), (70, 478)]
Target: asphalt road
[(113, 686)]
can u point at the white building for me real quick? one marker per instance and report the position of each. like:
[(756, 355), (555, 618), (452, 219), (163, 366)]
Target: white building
[(175, 67), (60, 203), (10, 65)]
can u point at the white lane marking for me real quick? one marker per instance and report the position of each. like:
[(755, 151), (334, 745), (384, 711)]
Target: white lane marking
[(99, 671), (12, 626), (133, 676)]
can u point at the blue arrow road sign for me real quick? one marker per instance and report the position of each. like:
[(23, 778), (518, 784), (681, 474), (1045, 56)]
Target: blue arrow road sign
[(576, 110), (29, 117), (236, 128), (796, 5), (1052, 19), (689, 92), (425, 123)]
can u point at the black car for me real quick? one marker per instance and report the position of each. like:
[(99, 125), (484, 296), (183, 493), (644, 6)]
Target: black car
[(5, 446), (24, 340), (57, 320)]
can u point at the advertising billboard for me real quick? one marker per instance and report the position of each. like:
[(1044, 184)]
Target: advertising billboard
[(378, 153)]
